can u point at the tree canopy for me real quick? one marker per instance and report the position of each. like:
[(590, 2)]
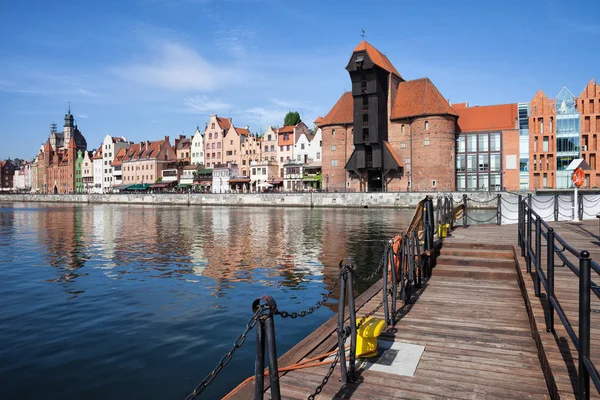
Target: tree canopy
[(292, 118)]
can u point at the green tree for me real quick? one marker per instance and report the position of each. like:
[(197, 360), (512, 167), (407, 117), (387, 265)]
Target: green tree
[(292, 118)]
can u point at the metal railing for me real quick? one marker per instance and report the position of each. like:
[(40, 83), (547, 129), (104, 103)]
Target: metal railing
[(533, 232)]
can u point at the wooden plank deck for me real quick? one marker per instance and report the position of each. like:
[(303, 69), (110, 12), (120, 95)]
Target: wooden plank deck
[(470, 317), (557, 353)]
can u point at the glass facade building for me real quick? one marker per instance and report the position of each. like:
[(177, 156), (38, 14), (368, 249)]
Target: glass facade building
[(523, 146), (567, 137), (478, 161)]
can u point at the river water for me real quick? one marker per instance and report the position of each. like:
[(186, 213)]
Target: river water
[(117, 301)]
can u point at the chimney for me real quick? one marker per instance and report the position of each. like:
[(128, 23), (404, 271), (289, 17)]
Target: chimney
[(167, 139), (181, 137)]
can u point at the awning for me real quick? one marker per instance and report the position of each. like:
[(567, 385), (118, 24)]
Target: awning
[(139, 186), (240, 180), (160, 185), (122, 187), (185, 185), (264, 185)]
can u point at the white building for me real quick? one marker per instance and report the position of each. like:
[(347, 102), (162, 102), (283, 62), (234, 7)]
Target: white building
[(263, 175), (197, 148), (221, 176), (110, 148), (87, 172), (187, 176), (98, 170), (292, 176), (308, 146)]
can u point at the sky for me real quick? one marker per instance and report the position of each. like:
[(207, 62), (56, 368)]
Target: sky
[(144, 69)]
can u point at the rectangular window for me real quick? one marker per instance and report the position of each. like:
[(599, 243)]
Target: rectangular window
[(494, 162), (460, 144), (212, 126), (302, 146), (541, 121), (407, 161), (318, 156), (484, 183), (483, 142), (264, 171), (333, 147), (471, 143), (426, 143), (287, 148), (471, 162), (495, 182), (471, 182), (334, 163), (403, 145), (545, 144), (484, 163), (494, 142), (460, 182), (460, 163)]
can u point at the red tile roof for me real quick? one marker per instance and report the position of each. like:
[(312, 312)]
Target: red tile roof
[(342, 112), (224, 123), (417, 98), (98, 154), (456, 106), (485, 118), (377, 57), (393, 153), (318, 120), (242, 131), (286, 129), (118, 157)]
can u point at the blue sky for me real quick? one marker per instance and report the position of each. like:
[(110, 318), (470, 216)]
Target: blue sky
[(149, 68)]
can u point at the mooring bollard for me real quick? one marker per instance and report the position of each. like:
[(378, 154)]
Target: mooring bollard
[(265, 335)]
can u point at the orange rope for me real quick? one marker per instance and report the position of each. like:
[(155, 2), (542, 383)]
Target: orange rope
[(299, 365)]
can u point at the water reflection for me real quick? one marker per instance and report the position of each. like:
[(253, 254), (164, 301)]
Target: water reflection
[(157, 294)]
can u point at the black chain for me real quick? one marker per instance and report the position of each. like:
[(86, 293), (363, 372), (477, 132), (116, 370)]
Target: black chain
[(239, 342), (377, 270), (319, 388), (509, 202), (482, 202), (543, 202), (319, 304), (481, 221)]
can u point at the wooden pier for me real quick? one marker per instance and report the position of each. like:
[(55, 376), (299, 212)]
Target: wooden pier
[(482, 327)]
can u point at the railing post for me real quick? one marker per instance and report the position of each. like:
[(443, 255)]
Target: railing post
[(538, 256), (580, 206), (529, 199), (584, 324), (555, 207), (465, 210), (387, 263), (394, 279), (451, 211), (499, 210), (520, 224), (265, 335), (352, 309), (438, 212), (341, 330), (528, 240), (550, 277)]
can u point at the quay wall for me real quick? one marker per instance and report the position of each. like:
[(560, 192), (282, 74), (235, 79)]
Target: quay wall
[(341, 200)]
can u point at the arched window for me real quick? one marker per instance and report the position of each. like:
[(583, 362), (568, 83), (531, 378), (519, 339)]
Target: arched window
[(402, 128), (426, 125)]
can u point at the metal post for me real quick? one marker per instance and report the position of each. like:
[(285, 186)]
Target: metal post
[(580, 206), (451, 211), (272, 355), (550, 277), (394, 280), (528, 241), (259, 363), (439, 218), (538, 256), (499, 211), (465, 210), (555, 207), (415, 238), (341, 312), (529, 199), (386, 264), (350, 286), (520, 224), (431, 233), (584, 324)]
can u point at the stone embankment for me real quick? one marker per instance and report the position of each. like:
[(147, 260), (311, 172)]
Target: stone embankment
[(351, 200)]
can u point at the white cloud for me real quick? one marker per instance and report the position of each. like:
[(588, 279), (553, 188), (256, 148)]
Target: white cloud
[(176, 67), (235, 41), (202, 104)]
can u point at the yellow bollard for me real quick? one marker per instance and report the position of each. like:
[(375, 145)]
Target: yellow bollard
[(366, 336)]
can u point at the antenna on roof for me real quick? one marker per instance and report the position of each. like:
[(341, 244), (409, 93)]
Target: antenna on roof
[(69, 107), (363, 34)]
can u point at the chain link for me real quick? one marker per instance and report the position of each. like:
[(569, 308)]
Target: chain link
[(504, 200), (481, 221), (482, 202), (377, 270), (319, 304), (319, 388), (362, 319), (239, 342), (536, 200)]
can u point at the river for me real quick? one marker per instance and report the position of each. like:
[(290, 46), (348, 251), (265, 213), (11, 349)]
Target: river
[(118, 301)]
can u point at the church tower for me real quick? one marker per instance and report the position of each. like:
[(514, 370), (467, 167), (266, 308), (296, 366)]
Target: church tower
[(69, 127)]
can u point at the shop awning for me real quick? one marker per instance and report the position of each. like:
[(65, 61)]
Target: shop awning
[(185, 185), (122, 187), (240, 180), (160, 185), (139, 186)]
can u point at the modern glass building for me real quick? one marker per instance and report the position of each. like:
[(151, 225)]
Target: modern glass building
[(523, 146), (567, 137), (478, 161)]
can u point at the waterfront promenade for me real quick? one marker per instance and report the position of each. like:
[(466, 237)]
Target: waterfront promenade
[(480, 324)]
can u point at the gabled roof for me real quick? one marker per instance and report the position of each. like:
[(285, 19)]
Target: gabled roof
[(242, 131), (286, 129), (119, 156), (342, 112), (591, 90), (98, 154), (224, 123), (318, 120), (377, 57), (485, 118), (417, 98)]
